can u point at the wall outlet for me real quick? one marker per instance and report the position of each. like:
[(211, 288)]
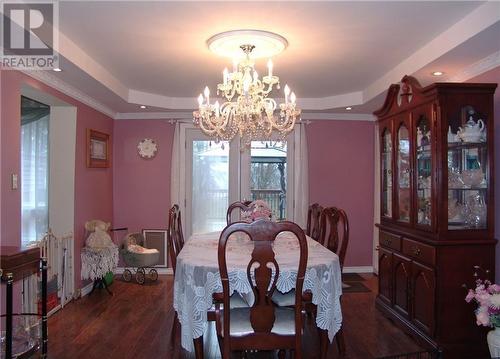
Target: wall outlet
[(14, 181)]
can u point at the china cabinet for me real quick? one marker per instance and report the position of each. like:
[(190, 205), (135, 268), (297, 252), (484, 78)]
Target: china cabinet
[(437, 204)]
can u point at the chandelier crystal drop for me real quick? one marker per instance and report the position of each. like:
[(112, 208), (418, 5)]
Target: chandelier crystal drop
[(247, 110)]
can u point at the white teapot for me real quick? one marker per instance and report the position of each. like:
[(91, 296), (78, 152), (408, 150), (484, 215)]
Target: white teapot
[(472, 131)]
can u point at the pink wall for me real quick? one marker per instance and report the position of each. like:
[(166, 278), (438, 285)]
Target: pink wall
[(141, 187), (341, 172), (93, 187)]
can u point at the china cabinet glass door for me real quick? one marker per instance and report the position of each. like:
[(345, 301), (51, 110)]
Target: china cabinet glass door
[(467, 170), (403, 173), (386, 173), (423, 148)]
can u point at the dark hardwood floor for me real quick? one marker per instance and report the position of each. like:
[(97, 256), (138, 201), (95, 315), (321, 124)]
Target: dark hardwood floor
[(137, 323)]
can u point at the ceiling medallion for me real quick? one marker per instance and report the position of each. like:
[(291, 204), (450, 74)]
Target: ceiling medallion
[(246, 109)]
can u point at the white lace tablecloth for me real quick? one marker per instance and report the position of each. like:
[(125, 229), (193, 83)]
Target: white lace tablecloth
[(197, 278), (96, 263)]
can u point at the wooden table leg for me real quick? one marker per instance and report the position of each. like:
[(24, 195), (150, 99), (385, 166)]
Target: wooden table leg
[(198, 347), (323, 342), (339, 338)]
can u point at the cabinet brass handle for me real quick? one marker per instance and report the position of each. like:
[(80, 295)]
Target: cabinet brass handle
[(377, 248), (416, 251)]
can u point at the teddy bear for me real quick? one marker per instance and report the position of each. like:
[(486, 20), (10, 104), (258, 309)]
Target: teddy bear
[(98, 237)]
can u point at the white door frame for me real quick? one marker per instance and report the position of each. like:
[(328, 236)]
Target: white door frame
[(239, 164)]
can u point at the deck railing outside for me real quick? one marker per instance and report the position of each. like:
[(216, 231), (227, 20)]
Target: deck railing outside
[(217, 202), (276, 199)]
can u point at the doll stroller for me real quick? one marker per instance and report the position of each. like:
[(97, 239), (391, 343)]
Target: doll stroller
[(138, 259)]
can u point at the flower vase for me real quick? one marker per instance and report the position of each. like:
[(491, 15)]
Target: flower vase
[(493, 338)]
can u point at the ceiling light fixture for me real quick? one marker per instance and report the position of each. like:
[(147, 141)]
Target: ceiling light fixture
[(142, 106), (246, 109), (56, 69), (437, 73), (348, 108)]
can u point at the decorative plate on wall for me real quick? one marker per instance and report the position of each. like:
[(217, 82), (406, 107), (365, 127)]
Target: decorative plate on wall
[(147, 148)]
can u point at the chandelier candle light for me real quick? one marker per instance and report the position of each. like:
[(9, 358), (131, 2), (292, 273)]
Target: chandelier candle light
[(246, 109)]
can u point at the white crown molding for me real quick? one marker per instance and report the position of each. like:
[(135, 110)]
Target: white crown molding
[(88, 64), (52, 81), (181, 115), (475, 22), (338, 116), (177, 115), (488, 63)]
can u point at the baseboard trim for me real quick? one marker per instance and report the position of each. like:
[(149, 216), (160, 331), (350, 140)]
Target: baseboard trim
[(358, 269), (119, 270), (86, 290)]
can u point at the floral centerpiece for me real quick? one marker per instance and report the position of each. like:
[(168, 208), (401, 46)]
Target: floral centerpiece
[(487, 296), (259, 209)]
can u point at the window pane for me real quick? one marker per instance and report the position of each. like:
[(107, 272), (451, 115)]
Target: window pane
[(210, 186), (34, 173), (268, 175)]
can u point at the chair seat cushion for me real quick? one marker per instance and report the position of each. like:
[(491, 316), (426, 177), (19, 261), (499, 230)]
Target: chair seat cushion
[(235, 301), (283, 325), (284, 299), (288, 299)]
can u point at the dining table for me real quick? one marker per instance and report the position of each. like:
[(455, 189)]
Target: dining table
[(197, 278)]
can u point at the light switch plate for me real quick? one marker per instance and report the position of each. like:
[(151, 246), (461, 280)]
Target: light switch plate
[(14, 181)]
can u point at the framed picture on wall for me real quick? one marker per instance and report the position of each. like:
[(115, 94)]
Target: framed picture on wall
[(98, 150), (157, 239)]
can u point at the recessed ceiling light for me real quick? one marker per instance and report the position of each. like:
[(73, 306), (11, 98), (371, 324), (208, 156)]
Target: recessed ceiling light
[(142, 106), (349, 108), (437, 73), (57, 69)]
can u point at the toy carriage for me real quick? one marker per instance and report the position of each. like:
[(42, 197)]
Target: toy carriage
[(138, 259)]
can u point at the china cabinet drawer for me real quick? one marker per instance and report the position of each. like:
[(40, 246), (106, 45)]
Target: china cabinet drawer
[(419, 251), (390, 241)]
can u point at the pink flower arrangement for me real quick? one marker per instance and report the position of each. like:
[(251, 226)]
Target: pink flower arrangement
[(487, 296), (260, 209)]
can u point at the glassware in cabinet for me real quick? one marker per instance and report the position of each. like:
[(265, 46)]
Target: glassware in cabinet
[(403, 173), (423, 147), (467, 156)]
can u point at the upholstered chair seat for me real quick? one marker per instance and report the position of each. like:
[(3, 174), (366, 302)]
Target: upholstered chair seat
[(241, 325)]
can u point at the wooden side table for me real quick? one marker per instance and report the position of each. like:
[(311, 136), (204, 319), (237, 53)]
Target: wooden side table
[(16, 263)]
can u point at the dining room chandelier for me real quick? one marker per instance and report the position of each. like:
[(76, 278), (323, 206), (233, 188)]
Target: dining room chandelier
[(246, 109)]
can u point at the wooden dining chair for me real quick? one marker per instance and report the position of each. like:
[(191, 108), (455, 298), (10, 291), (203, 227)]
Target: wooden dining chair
[(242, 206), (313, 221), (175, 237), (263, 326), (334, 235)]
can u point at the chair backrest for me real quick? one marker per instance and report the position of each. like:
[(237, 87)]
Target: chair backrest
[(262, 273), (175, 237), (335, 231), (313, 229), (242, 206)]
